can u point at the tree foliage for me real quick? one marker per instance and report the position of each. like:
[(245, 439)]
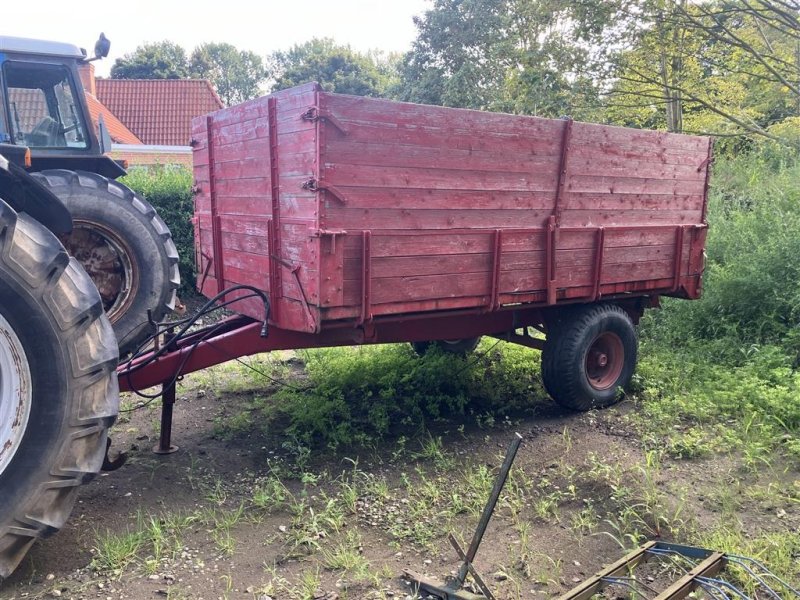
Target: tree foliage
[(727, 67), (159, 60), (337, 68), (507, 55), (236, 74)]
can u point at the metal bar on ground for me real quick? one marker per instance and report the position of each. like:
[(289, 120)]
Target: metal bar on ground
[(489, 509)]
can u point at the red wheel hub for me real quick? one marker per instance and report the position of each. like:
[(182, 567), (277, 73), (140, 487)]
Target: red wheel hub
[(605, 360)]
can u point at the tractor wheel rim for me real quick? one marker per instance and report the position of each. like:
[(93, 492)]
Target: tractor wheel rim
[(605, 360), (107, 260), (15, 393)]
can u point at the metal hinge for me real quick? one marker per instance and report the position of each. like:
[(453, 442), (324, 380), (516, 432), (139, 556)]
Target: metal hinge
[(315, 185), (313, 114)]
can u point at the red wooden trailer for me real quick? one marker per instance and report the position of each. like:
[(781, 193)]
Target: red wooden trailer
[(367, 221)]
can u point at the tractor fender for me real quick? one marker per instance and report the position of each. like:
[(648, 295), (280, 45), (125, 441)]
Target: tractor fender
[(24, 194)]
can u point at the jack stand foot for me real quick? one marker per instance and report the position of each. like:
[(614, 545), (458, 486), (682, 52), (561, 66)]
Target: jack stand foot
[(157, 449)]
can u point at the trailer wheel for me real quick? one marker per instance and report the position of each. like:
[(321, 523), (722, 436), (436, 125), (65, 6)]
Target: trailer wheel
[(459, 346), (58, 385), (124, 246), (589, 356)]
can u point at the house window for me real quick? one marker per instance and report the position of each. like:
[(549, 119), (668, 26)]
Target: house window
[(43, 108)]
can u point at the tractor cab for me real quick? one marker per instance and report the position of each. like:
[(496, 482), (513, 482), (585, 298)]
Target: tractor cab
[(43, 107)]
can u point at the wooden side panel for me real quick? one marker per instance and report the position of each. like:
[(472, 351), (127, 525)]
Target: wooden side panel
[(249, 168), (433, 186)]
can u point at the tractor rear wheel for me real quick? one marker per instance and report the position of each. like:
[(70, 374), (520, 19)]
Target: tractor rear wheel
[(58, 385), (124, 246)]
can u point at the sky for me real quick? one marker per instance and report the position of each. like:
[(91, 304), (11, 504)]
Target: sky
[(262, 27)]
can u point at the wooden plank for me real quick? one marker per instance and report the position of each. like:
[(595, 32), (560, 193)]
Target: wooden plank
[(294, 98), (382, 154), (244, 188), (524, 145), (588, 133), (256, 207), (633, 185), (402, 266), (437, 178), (255, 244), (400, 197), (632, 152), (243, 168), (409, 289), (428, 242), (249, 129), (596, 218), (621, 201), (356, 218), (604, 165), (372, 110)]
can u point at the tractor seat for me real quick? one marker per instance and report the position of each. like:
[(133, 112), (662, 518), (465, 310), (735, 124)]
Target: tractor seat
[(47, 133)]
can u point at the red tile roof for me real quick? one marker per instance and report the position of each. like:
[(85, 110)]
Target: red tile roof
[(119, 133), (158, 111)]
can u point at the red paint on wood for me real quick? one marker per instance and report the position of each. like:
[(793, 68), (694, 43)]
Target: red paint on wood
[(356, 209)]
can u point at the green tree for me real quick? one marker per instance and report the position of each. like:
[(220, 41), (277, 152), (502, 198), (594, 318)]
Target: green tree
[(337, 68), (159, 60), (236, 74), (506, 55), (727, 67), (461, 55)]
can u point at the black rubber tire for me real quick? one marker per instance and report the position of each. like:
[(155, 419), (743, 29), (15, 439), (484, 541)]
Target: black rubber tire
[(564, 357), (148, 247), (52, 306), (462, 346)]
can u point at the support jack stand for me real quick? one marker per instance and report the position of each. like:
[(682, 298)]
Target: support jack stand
[(165, 445), (452, 588)]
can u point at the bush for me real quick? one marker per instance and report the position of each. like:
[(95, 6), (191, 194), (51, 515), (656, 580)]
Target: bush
[(752, 279), (169, 189)]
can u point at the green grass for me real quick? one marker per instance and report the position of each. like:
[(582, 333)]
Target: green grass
[(718, 375)]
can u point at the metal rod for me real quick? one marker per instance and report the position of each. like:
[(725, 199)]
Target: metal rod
[(489, 509), (164, 445)]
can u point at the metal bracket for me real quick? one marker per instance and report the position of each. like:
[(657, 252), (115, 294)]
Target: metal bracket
[(314, 114), (332, 233), (316, 185), (294, 270)]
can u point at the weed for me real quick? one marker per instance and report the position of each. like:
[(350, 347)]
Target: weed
[(114, 552)]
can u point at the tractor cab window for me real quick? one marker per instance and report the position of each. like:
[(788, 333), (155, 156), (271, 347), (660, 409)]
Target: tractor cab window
[(43, 110)]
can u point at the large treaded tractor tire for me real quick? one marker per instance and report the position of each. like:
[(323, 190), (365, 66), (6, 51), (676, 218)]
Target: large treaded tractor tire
[(124, 246), (58, 381), (589, 356)]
